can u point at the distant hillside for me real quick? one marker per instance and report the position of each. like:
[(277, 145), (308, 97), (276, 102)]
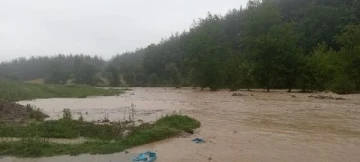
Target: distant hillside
[(306, 44)]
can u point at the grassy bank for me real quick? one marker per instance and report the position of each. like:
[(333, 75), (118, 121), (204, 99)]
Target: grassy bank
[(108, 136), (15, 91)]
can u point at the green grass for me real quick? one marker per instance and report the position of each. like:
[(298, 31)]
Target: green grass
[(64, 129), (15, 91), (109, 139)]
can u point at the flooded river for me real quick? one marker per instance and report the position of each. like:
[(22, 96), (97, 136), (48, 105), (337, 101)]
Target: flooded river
[(272, 127)]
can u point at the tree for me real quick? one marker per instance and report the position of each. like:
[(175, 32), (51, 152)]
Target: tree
[(260, 45), (324, 67), (246, 73), (174, 73), (113, 75), (208, 49), (86, 74), (349, 40), (58, 74), (153, 80), (287, 57), (307, 44)]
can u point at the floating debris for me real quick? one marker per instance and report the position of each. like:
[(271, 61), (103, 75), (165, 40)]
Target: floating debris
[(327, 97), (238, 94)]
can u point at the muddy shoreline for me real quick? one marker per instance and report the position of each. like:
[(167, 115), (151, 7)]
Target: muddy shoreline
[(256, 127)]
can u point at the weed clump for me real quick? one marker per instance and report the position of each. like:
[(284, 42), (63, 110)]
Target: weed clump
[(67, 114)]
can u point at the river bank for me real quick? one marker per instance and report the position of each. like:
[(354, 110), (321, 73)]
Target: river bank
[(259, 126)]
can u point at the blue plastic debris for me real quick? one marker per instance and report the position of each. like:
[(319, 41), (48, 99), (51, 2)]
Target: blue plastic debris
[(198, 140), (145, 157)]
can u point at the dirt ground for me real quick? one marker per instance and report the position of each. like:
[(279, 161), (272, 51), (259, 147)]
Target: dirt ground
[(15, 113), (259, 126)]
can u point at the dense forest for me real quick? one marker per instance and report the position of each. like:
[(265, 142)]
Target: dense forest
[(304, 44), (60, 69)]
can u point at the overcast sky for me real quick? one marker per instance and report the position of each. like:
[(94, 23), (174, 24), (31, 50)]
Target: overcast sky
[(103, 27)]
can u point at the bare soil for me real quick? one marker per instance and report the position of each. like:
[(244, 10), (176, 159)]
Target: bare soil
[(15, 113)]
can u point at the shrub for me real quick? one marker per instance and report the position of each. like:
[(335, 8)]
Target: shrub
[(67, 114)]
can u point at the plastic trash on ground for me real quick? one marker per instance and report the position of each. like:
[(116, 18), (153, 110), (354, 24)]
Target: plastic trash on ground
[(198, 140), (146, 157)]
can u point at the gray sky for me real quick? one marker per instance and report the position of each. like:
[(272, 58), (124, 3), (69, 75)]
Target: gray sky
[(103, 27)]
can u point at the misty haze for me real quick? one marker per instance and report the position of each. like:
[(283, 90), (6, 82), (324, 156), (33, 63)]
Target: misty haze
[(179, 81)]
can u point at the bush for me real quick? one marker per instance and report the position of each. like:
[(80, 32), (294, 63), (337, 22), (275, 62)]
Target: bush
[(35, 114), (342, 85), (67, 114)]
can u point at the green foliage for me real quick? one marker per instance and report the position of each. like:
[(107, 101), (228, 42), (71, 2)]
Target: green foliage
[(342, 84), (54, 69), (35, 114), (109, 135), (337, 71), (153, 80), (323, 67), (67, 114), (174, 73), (81, 117), (180, 122), (113, 76), (15, 91), (246, 74), (58, 75), (349, 40), (86, 74), (269, 44)]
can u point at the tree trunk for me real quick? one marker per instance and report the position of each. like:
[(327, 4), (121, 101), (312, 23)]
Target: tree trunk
[(290, 84)]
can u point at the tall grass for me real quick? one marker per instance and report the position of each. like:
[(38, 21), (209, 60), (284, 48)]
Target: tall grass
[(111, 141), (15, 91)]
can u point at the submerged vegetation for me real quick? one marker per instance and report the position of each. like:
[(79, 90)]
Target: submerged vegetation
[(102, 138), (15, 91)]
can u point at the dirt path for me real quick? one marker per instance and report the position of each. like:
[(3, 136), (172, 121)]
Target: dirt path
[(260, 126)]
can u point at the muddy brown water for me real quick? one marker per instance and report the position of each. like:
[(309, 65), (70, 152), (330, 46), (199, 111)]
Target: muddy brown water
[(260, 126)]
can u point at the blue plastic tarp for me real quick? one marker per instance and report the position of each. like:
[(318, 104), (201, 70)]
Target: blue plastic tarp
[(145, 157), (198, 140)]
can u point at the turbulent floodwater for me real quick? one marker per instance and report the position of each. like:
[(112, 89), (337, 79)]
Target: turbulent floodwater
[(260, 126)]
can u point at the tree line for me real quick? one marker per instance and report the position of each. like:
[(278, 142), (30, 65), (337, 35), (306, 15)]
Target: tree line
[(60, 69), (305, 44)]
